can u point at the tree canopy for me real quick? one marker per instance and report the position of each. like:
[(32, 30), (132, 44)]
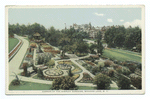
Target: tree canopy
[(102, 81), (123, 37)]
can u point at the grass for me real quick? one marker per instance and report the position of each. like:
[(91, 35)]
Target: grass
[(24, 85), (122, 55), (12, 43), (87, 88)]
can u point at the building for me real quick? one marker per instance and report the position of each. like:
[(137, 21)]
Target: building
[(36, 35), (91, 30)]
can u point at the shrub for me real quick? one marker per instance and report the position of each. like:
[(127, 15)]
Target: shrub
[(70, 73), (124, 83), (136, 81), (84, 64), (15, 82), (101, 65), (86, 78), (108, 63), (95, 69), (51, 63), (119, 69), (111, 72), (40, 73), (102, 81), (126, 71), (64, 83), (132, 67)]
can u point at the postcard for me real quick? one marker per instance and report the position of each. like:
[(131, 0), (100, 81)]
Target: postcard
[(75, 49)]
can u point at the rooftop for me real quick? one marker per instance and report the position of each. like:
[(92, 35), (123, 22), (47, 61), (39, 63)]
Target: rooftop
[(36, 34)]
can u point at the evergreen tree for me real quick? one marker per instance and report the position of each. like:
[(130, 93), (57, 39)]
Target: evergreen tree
[(70, 73)]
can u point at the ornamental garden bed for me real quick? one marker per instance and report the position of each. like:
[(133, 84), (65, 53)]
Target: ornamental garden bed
[(65, 62), (76, 68), (52, 51), (33, 45), (76, 76), (88, 62), (86, 78), (10, 54)]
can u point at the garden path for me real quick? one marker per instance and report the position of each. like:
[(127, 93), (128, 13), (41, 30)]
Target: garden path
[(16, 60)]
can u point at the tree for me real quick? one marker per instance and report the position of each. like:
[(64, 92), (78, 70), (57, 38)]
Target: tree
[(51, 63), (64, 83), (40, 73), (99, 44), (92, 47), (95, 70), (82, 47), (124, 83), (70, 73), (102, 81)]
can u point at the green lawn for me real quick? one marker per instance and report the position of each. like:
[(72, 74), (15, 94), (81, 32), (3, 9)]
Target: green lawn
[(30, 86), (24, 85), (86, 88), (122, 55), (12, 43)]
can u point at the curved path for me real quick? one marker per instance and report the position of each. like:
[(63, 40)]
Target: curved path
[(16, 60)]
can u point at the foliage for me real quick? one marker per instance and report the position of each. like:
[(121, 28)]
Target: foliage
[(126, 70), (82, 47), (108, 63), (136, 81), (100, 65), (92, 47), (70, 73), (43, 58), (51, 63), (111, 73), (29, 29), (124, 83), (99, 43), (64, 83), (123, 37), (15, 82), (40, 73), (95, 69), (86, 78), (102, 81)]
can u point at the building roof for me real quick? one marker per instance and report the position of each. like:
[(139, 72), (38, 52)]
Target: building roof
[(36, 34)]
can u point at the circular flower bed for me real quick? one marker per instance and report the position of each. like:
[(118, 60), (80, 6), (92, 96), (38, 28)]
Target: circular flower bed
[(52, 72)]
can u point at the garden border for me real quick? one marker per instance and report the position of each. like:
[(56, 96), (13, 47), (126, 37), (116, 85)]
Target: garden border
[(15, 49)]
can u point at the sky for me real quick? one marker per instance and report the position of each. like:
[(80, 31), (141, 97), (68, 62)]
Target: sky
[(57, 17)]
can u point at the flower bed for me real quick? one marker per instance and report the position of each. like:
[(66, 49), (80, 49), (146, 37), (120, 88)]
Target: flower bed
[(33, 45), (65, 62), (77, 70), (86, 78), (88, 62), (12, 52), (52, 51), (76, 76), (29, 56)]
